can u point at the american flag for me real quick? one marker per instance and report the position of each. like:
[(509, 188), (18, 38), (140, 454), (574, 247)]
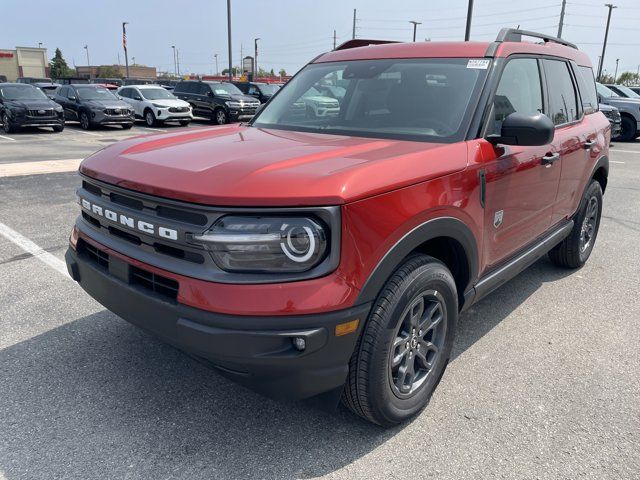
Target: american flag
[(124, 37)]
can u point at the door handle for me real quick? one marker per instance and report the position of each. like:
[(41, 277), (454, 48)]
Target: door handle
[(549, 158), (589, 144)]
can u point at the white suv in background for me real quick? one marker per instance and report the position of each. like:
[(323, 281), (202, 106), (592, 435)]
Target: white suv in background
[(156, 105)]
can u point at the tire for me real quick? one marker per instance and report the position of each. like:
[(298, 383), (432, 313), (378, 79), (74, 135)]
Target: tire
[(6, 124), (184, 123), (85, 123), (574, 251), (127, 126), (58, 128), (150, 118), (629, 129), (420, 291), (220, 116)]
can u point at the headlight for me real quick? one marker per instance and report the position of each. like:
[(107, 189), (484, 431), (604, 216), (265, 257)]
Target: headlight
[(234, 104), (266, 244), (58, 108), (158, 106)]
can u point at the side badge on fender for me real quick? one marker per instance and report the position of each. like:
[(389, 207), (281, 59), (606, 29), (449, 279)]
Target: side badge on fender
[(497, 218)]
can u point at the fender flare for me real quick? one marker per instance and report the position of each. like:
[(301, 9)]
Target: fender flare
[(603, 162), (438, 227)]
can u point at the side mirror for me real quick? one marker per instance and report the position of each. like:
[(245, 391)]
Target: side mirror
[(137, 97), (525, 130), (73, 98), (209, 93)]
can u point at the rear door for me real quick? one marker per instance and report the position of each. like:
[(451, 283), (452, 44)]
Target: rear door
[(521, 181), (575, 136)]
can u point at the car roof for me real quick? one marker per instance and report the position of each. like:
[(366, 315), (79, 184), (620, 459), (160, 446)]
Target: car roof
[(454, 50), (142, 87), (7, 84)]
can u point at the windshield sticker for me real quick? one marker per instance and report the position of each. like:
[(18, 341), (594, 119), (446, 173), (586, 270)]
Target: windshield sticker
[(481, 63)]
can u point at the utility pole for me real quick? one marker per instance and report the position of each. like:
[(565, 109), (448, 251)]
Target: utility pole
[(133, 60), (86, 47), (353, 35), (175, 64), (415, 26), (124, 45), (215, 55), (178, 61), (467, 31), (615, 75), (561, 23), (610, 6), (334, 39), (229, 39), (255, 58)]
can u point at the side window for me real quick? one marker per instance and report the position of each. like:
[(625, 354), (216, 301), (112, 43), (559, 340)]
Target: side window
[(125, 92), (62, 91), (203, 88), (519, 90), (563, 105), (71, 92), (179, 88), (587, 85), (252, 90)]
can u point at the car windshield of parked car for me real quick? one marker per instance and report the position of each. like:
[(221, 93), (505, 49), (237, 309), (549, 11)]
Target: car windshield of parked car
[(627, 91), (226, 89), (412, 99), (268, 89), (95, 93), (605, 92), (22, 92), (156, 94)]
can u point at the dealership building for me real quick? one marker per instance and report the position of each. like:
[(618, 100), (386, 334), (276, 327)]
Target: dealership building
[(24, 62), (135, 71)]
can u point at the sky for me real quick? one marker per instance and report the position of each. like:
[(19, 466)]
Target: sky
[(292, 32)]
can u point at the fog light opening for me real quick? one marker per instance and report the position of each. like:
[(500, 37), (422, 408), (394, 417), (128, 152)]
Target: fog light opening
[(299, 343)]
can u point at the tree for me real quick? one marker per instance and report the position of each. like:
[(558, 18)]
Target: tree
[(110, 71), (283, 72), (629, 79), (272, 73), (607, 78), (58, 67), (234, 71)]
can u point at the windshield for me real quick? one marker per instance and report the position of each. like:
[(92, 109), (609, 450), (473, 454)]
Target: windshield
[(412, 99), (225, 89), (627, 92), (268, 89), (605, 92), (156, 94), (22, 92), (94, 93)]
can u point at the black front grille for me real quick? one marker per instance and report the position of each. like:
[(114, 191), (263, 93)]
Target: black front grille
[(116, 111), (158, 284), (178, 109), (42, 113)]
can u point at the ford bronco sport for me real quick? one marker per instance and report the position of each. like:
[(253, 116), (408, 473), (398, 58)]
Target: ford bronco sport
[(332, 255)]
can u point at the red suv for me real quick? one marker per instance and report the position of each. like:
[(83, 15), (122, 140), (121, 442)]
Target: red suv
[(331, 254)]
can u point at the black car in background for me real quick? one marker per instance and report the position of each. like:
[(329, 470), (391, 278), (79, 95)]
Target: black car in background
[(48, 88), (93, 105), (261, 91), (614, 117), (31, 80), (23, 105), (221, 102)]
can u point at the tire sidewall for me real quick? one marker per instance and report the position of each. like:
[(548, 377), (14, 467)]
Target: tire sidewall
[(86, 126), (217, 115), (149, 118), (594, 190), (432, 276)]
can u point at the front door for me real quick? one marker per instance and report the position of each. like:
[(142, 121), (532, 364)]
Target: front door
[(521, 182)]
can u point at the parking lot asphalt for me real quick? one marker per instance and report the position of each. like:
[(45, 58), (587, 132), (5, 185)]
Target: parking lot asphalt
[(544, 381)]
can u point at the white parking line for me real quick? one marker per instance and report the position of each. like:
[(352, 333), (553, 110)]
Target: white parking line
[(154, 129), (624, 151), (35, 168), (87, 133), (613, 161), (8, 138), (28, 246)]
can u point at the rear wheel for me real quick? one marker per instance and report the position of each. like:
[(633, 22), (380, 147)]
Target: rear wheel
[(6, 124), (574, 251), (405, 346), (85, 123)]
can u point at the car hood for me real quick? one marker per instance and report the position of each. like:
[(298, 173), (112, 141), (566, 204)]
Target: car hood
[(247, 166), (242, 98), (105, 104), (32, 104), (622, 100), (170, 102), (321, 99)]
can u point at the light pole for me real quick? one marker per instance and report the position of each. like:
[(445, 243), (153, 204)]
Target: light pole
[(415, 26), (175, 64), (39, 44), (561, 22), (615, 75), (215, 55), (467, 31), (133, 61), (255, 58), (606, 35), (229, 39), (124, 45), (86, 47)]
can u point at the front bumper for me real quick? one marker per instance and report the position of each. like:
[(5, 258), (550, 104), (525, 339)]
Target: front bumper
[(242, 113), (165, 115), (256, 351), (101, 118), (28, 121)]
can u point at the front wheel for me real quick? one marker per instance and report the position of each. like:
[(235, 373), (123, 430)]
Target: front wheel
[(184, 123), (127, 126), (85, 123), (628, 129), (574, 251), (406, 343), (58, 128), (150, 119), (220, 117), (6, 124)]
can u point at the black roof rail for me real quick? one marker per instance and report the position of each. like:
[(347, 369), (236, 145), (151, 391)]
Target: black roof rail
[(515, 35), (362, 42)]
